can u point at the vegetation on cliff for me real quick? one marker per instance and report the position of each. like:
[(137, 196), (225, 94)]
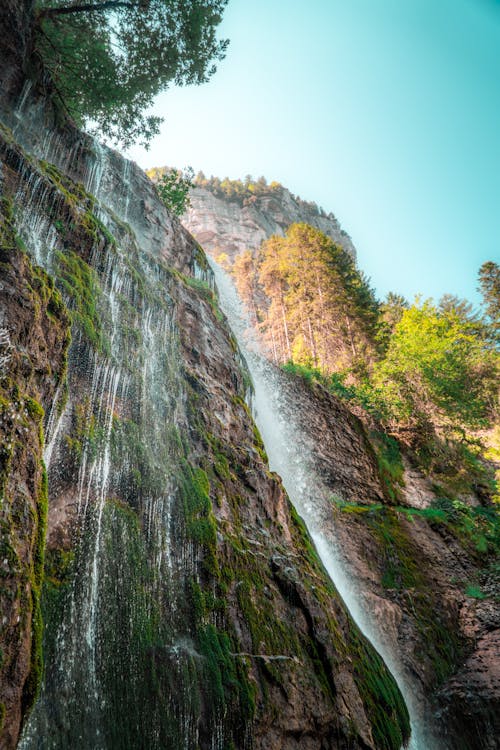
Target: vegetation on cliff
[(427, 372), (311, 303), (33, 344)]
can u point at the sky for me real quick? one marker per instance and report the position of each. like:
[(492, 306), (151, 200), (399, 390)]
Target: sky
[(385, 112)]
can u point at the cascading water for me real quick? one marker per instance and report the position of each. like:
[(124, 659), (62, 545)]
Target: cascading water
[(143, 645), (289, 459), (112, 607)]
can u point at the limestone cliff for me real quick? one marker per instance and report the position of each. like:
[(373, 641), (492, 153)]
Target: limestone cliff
[(225, 225), (183, 603)]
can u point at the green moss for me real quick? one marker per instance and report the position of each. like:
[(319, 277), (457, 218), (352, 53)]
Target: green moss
[(474, 592), (32, 685), (58, 566), (200, 522), (34, 409), (384, 703), (81, 285), (403, 574), (200, 258), (74, 193), (259, 444), (205, 291), (225, 675)]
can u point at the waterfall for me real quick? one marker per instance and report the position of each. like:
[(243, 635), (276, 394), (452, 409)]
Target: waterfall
[(112, 599), (289, 459), (129, 656)]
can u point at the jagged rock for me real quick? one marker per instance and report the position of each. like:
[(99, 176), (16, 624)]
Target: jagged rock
[(37, 330), (224, 226), (446, 644)]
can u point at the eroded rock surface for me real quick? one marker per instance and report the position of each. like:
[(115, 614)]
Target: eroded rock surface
[(410, 573), (223, 226)]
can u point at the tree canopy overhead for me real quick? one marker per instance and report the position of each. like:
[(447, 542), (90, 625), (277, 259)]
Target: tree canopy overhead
[(108, 59)]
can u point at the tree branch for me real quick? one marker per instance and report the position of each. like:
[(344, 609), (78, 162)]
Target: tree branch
[(89, 8)]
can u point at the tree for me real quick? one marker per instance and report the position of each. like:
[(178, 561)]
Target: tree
[(173, 188), (108, 59), (313, 305), (489, 286), (438, 371), (391, 312)]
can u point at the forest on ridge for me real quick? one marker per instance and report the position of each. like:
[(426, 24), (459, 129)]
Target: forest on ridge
[(428, 371)]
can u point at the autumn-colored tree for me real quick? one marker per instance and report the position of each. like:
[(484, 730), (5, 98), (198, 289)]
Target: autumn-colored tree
[(244, 272), (313, 305)]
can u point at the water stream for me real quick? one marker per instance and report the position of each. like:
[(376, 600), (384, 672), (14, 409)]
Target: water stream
[(123, 598), (112, 461), (289, 459)]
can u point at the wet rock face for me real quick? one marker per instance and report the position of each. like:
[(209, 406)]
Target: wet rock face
[(469, 701), (311, 687), (34, 335), (409, 574), (181, 595), (222, 226)]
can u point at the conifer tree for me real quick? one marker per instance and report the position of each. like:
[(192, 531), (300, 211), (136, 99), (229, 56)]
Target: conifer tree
[(314, 306)]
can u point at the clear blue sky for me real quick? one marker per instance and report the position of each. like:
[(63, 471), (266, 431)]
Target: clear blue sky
[(386, 112)]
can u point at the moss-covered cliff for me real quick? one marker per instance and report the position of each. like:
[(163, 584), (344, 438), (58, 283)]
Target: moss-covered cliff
[(183, 603), (424, 564), (34, 335)]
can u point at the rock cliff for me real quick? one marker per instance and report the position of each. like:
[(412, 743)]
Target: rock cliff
[(224, 225), (403, 564), (183, 603), (411, 573)]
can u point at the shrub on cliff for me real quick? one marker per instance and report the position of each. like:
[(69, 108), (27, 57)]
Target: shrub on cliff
[(173, 188), (438, 370)]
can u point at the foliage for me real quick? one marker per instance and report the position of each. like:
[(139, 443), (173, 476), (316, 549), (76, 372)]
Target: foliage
[(478, 527), (173, 188), (235, 191), (313, 305), (108, 59), (391, 312), (493, 454), (437, 370), (489, 286), (474, 592)]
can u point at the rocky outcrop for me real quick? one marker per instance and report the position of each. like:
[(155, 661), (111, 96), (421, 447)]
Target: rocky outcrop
[(410, 570), (224, 226), (34, 335), (183, 603)]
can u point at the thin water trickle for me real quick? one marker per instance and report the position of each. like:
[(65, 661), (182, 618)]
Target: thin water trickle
[(289, 460)]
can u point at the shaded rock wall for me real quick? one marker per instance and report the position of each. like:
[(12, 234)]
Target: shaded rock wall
[(410, 573), (34, 334)]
